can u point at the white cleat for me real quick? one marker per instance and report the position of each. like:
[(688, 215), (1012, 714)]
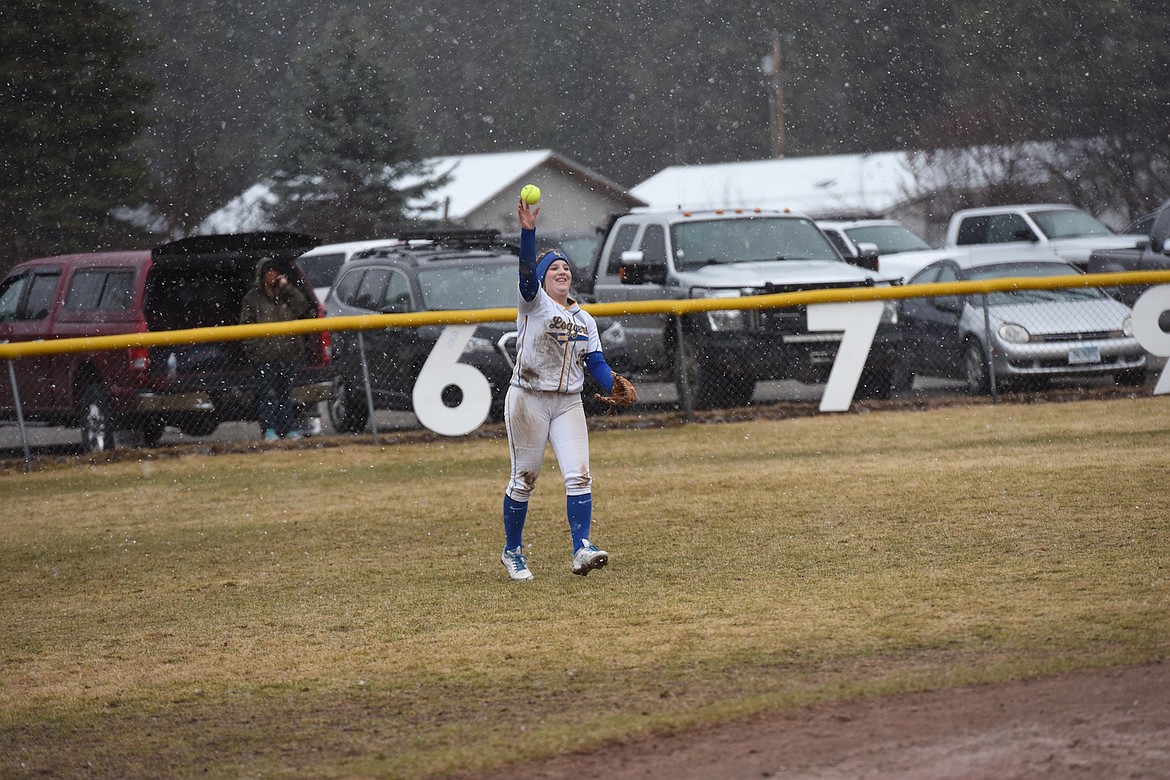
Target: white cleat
[(588, 558), (516, 564)]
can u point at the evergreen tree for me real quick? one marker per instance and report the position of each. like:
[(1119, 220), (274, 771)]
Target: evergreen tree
[(71, 108), (349, 147)]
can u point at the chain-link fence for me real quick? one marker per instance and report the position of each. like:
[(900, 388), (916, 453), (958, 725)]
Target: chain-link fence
[(448, 371)]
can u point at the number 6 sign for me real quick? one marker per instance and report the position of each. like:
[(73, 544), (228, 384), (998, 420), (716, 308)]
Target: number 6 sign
[(443, 370), (1147, 312)]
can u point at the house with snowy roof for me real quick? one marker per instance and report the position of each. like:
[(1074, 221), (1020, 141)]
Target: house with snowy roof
[(480, 192), (824, 187)]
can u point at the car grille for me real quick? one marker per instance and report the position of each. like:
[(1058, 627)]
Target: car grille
[(1100, 335), (790, 319)]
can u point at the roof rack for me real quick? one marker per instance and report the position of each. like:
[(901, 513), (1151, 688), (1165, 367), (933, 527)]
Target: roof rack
[(453, 238)]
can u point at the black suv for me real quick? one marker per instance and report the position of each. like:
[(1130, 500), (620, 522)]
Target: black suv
[(429, 271)]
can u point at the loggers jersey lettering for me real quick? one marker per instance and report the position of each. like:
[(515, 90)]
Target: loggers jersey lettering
[(551, 344)]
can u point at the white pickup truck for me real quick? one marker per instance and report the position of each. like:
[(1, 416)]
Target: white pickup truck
[(1048, 228), (664, 255)]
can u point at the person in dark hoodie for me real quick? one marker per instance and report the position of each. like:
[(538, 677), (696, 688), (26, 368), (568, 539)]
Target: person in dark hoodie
[(273, 298)]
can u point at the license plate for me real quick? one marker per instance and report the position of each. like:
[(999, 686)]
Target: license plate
[(1081, 355)]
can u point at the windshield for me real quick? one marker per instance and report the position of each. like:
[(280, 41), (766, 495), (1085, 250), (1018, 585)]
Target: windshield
[(579, 250), (1069, 223), (321, 269), (890, 239), (485, 286), (1034, 296), (755, 239)]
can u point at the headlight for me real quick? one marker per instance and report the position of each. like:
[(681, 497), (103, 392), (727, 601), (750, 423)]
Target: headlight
[(613, 336), (723, 319), (1127, 326), (1014, 334), (478, 345)]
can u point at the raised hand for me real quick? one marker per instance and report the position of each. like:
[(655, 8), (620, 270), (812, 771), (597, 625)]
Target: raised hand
[(527, 215)]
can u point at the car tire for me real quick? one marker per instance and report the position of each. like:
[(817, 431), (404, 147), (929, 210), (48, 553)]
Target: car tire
[(151, 429), (97, 419), (1133, 377), (975, 369), (199, 423), (881, 381), (348, 412), (709, 388)]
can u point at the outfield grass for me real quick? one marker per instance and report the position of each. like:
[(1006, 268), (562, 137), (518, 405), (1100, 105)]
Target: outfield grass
[(343, 613)]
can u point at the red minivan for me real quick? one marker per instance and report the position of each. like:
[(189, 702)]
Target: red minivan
[(191, 283)]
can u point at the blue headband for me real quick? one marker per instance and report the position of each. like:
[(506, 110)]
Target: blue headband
[(547, 259)]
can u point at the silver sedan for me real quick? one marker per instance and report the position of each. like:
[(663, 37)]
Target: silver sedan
[(1019, 337)]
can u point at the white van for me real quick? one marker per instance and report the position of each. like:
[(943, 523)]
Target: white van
[(322, 263)]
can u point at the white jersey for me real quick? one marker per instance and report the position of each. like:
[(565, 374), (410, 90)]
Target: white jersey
[(552, 343)]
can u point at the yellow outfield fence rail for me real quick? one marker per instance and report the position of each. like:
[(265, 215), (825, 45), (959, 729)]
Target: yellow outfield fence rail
[(17, 350)]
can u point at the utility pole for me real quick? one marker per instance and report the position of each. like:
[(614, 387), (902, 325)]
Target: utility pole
[(777, 99)]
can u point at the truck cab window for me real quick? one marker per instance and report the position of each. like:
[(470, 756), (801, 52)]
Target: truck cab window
[(653, 245), (621, 243), (10, 293), (40, 296)]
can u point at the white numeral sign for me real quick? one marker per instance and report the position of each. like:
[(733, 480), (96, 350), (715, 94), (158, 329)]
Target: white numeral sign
[(859, 321), (1147, 310), (442, 370)]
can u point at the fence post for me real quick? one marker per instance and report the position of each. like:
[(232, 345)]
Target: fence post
[(366, 383), (19, 416), (680, 367), (991, 381)]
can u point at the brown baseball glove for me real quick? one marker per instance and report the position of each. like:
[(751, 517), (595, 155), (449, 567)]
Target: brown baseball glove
[(622, 396)]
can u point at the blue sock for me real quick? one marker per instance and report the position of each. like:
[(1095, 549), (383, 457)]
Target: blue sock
[(580, 512), (514, 515)]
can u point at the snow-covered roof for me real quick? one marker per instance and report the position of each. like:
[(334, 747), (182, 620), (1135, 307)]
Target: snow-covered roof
[(837, 184), (473, 180)]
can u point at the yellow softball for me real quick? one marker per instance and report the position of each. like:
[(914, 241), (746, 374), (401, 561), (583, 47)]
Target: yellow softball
[(530, 194)]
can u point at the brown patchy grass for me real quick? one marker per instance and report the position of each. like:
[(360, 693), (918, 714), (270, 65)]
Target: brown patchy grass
[(341, 612)]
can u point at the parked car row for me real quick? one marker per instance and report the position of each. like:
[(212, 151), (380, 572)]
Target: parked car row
[(1025, 336)]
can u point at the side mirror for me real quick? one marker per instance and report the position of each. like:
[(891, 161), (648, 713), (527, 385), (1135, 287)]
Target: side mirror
[(867, 256), (634, 269), (950, 303), (1166, 247), (1024, 234)]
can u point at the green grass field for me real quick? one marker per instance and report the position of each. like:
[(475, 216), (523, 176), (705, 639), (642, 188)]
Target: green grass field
[(342, 612)]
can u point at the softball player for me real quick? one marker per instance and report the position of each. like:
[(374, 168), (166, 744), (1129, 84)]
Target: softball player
[(556, 342)]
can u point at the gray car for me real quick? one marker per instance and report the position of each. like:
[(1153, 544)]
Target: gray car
[(1033, 335)]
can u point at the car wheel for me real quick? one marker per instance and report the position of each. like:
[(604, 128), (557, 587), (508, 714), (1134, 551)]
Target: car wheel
[(880, 381), (199, 423), (151, 429), (975, 366), (348, 412), (708, 389), (903, 377), (1134, 377), (97, 422)]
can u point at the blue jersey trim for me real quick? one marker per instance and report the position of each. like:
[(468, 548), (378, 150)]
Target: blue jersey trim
[(600, 370)]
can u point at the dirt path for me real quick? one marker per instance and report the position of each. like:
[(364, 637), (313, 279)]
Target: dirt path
[(1102, 725)]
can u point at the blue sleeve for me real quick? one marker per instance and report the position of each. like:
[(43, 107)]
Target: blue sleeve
[(529, 285), (600, 370)]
